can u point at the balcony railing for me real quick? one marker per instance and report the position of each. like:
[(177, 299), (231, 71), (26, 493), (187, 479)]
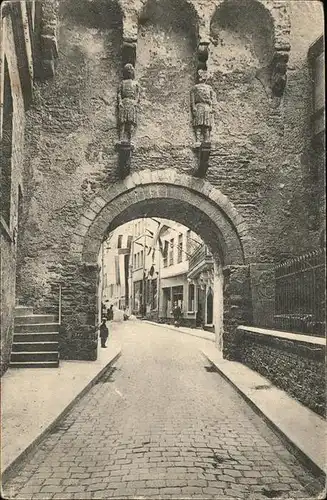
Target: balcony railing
[(202, 255)]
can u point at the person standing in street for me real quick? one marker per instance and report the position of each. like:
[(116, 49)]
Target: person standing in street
[(177, 313), (110, 313), (104, 332)]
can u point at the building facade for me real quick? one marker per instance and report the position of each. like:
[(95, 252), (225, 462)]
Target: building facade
[(249, 194), (24, 59), (201, 286), (114, 261)]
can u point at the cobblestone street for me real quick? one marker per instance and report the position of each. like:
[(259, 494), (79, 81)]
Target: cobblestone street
[(161, 425)]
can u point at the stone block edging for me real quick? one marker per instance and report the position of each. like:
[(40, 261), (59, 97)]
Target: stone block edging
[(303, 449)]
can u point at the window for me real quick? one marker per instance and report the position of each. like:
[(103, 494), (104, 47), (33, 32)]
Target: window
[(180, 248), (6, 146), (119, 242), (165, 254), (191, 294), (171, 252)]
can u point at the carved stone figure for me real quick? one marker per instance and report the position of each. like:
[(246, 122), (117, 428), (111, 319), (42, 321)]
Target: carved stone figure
[(128, 99), (202, 98)]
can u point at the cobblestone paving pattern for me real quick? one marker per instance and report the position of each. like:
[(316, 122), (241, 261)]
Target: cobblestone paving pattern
[(161, 426)]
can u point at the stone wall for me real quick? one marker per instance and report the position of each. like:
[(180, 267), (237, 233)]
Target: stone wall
[(8, 232), (258, 158), (292, 364)]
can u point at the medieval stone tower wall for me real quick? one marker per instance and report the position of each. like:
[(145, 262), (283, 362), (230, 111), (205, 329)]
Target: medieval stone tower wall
[(260, 144)]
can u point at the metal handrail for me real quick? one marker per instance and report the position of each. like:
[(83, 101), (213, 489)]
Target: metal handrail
[(59, 305)]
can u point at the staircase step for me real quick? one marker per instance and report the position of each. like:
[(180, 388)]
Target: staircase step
[(37, 327), (34, 364), (35, 346), (34, 356), (35, 319), (23, 311), (36, 337)]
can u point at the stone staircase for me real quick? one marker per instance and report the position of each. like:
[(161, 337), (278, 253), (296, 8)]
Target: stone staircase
[(36, 340)]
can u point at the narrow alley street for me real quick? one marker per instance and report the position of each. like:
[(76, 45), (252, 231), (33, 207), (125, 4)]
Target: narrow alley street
[(161, 424)]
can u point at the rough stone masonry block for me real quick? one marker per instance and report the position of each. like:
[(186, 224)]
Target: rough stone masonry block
[(112, 191), (155, 176), (96, 232), (90, 214), (81, 230), (77, 239), (263, 293), (237, 307), (147, 192), (129, 182), (171, 175), (101, 223), (172, 192), (93, 245), (163, 191), (197, 184), (97, 204), (250, 249), (145, 176), (153, 190), (136, 178), (141, 193), (76, 249), (185, 180), (237, 217), (90, 258), (220, 199), (84, 221), (242, 228), (161, 175), (207, 188)]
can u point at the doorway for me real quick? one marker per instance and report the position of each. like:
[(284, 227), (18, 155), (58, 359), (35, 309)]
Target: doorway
[(209, 319)]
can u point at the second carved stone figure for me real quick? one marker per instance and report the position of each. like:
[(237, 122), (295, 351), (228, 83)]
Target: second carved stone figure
[(202, 100), (128, 99)]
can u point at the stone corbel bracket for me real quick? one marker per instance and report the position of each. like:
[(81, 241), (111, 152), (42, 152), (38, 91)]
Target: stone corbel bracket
[(203, 154), (124, 150), (49, 38), (279, 72), (282, 30)]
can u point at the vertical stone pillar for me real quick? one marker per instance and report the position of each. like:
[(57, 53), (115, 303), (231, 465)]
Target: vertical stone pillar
[(218, 314), (48, 38), (263, 294), (128, 93), (78, 336), (237, 307)]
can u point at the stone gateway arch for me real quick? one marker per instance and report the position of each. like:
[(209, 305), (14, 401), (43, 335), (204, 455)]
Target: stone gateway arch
[(164, 193), (179, 109)]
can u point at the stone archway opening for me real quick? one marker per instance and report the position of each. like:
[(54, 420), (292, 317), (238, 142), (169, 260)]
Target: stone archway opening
[(192, 202), (211, 248)]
